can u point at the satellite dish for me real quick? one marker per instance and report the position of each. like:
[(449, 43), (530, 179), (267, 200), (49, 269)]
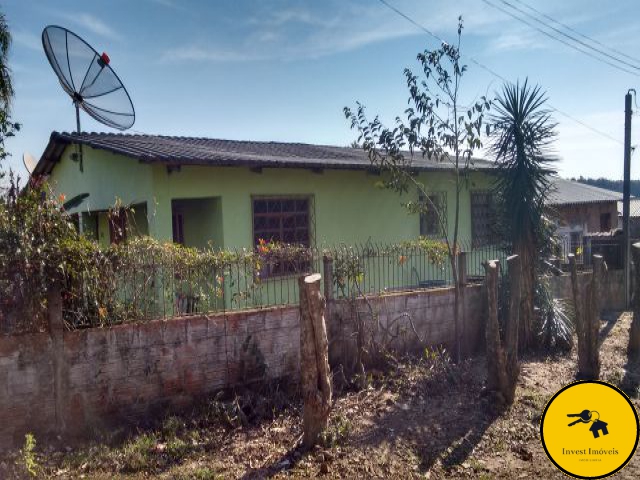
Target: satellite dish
[(29, 162), (88, 79)]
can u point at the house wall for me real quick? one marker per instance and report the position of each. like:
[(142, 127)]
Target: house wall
[(77, 382), (349, 208), (586, 216)]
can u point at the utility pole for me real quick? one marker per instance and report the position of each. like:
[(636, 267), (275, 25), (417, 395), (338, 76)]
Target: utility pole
[(626, 191)]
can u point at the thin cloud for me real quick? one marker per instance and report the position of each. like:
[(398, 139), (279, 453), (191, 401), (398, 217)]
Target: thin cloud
[(202, 54), (27, 40), (297, 34), (93, 24)]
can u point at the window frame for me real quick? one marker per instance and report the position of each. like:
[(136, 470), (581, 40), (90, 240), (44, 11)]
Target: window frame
[(442, 212), (491, 236), (271, 271)]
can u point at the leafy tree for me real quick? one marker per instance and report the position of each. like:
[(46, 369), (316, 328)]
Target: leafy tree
[(7, 127), (438, 127), (522, 133)]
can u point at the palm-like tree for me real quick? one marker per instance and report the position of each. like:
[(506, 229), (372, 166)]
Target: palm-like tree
[(523, 131), (6, 87)]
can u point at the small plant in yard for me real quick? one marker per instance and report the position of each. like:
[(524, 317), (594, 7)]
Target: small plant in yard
[(29, 460), (200, 473), (138, 455), (337, 433)]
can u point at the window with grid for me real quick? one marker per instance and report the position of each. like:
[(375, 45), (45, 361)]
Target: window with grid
[(483, 219), (283, 220), (436, 207)]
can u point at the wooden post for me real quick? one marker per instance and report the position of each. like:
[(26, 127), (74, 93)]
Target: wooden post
[(591, 315), (576, 293), (328, 277), (462, 268), (512, 327), (314, 360), (496, 372), (634, 331), (586, 301)]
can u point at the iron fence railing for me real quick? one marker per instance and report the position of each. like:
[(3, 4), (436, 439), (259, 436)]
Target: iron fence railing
[(151, 281), (377, 268), (477, 255)]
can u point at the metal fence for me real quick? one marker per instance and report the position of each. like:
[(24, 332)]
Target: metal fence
[(610, 247), (159, 283), (376, 268)]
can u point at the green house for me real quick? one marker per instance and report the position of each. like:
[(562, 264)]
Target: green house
[(199, 191)]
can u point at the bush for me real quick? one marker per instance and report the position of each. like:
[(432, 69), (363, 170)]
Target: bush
[(33, 233)]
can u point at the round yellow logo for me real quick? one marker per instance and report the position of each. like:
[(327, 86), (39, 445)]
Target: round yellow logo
[(589, 429)]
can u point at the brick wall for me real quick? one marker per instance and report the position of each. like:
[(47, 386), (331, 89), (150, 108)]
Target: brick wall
[(72, 383)]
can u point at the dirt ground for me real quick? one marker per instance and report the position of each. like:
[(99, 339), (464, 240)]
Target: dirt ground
[(426, 419)]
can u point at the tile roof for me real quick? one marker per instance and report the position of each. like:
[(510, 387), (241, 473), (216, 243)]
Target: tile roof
[(209, 151), (569, 192)]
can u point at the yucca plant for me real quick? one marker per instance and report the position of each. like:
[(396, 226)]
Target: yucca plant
[(522, 134), (554, 325)]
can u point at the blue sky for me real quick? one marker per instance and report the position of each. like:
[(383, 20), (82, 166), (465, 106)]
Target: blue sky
[(283, 70)]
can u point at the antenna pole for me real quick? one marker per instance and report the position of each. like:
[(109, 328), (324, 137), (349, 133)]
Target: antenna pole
[(78, 130)]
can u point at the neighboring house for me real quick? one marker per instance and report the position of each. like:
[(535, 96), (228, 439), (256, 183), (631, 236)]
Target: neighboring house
[(634, 217), (583, 212), (198, 191)]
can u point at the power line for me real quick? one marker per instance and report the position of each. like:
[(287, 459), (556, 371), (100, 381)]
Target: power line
[(496, 74), (568, 44), (571, 37), (591, 39)]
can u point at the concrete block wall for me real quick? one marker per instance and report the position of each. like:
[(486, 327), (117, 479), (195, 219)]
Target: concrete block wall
[(613, 288), (73, 383), (430, 313)]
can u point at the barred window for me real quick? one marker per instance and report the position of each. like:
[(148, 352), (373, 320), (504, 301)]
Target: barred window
[(284, 220), (483, 219), (436, 208)]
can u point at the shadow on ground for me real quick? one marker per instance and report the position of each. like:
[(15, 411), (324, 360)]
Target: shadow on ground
[(611, 319), (443, 419)]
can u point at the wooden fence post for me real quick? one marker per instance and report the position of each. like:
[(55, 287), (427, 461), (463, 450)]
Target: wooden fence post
[(496, 373), (314, 360), (512, 326), (327, 261), (462, 268), (634, 331), (586, 302)]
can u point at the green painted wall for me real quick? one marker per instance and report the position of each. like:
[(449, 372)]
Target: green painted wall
[(348, 207)]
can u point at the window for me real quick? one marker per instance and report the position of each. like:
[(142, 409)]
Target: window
[(284, 220), (605, 222), (483, 219), (118, 226), (430, 224), (177, 225)]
